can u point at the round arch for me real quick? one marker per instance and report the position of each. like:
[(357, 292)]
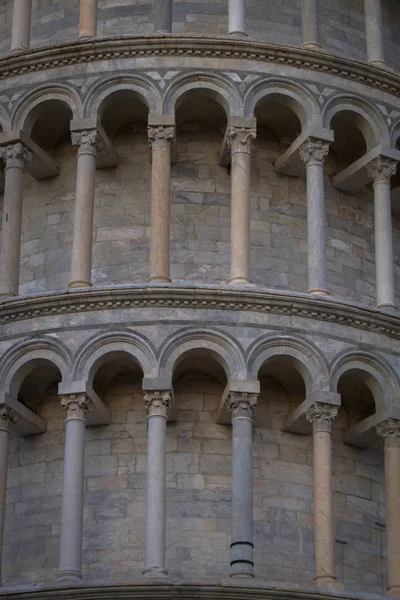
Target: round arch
[(93, 354), (303, 355), (220, 89), (378, 375)]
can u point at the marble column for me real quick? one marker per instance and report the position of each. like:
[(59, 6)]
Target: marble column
[(88, 19), (390, 431), (16, 156), (162, 16), (240, 140), (237, 18), (157, 405), (70, 566), (381, 170), (310, 25), (89, 145), (7, 418), (374, 33), (241, 406), (21, 25), (321, 416), (313, 153), (161, 139)]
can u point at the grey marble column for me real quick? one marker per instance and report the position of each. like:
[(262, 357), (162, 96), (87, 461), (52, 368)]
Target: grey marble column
[(7, 418), (162, 16), (161, 139), (15, 158), (70, 566), (374, 32), (381, 170), (321, 416), (313, 154), (21, 25), (237, 18), (89, 145), (88, 19), (390, 431), (157, 405), (242, 406), (310, 24), (240, 140)]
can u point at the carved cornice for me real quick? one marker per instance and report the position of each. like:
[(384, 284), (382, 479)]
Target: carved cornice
[(39, 59), (208, 297)]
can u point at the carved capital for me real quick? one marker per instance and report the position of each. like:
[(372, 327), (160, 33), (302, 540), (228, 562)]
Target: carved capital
[(240, 139), (321, 416), (7, 417), (241, 405), (157, 403), (314, 150), (16, 155), (381, 169), (87, 141), (77, 406), (390, 431), (161, 137)]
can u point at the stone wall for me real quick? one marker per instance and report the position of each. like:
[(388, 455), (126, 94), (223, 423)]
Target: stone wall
[(199, 496), (200, 220), (342, 29)]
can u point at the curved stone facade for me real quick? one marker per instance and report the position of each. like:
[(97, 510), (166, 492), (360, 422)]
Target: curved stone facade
[(199, 273)]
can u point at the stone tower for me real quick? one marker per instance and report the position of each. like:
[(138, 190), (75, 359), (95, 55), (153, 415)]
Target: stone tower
[(199, 274)]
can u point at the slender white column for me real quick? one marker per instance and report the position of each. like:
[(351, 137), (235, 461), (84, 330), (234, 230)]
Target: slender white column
[(7, 418), (390, 431), (157, 405), (21, 25), (242, 406), (73, 494), (162, 16), (15, 157), (381, 170), (88, 19), (313, 154), (374, 33), (161, 139), (237, 18), (240, 140), (310, 24), (321, 416), (88, 144)]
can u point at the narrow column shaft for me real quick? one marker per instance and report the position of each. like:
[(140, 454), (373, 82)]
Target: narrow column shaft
[(162, 16), (381, 170), (374, 33), (241, 407), (88, 143), (160, 139), (321, 415), (157, 404), (310, 24), (237, 18), (15, 157), (73, 495), (21, 25), (390, 431), (240, 141), (7, 418), (88, 19), (313, 153)]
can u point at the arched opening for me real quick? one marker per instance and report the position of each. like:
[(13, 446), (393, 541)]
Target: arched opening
[(359, 392), (200, 216), (35, 381), (48, 124), (116, 365), (353, 138), (279, 120)]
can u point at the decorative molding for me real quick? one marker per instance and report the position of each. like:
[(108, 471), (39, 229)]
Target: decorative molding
[(389, 430), (111, 48), (8, 417), (241, 404), (382, 169), (321, 416), (157, 403), (240, 139), (77, 406), (314, 150)]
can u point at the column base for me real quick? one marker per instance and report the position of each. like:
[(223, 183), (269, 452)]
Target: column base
[(162, 32), (80, 284), (378, 63), (239, 281), (238, 34), (387, 306), (315, 46), (69, 576), (328, 582), (393, 591), (319, 292), (159, 279), (7, 293), (155, 572)]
